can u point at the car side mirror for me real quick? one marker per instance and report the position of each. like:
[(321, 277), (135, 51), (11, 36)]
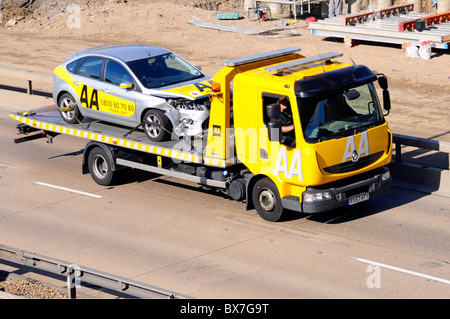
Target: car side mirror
[(126, 85)]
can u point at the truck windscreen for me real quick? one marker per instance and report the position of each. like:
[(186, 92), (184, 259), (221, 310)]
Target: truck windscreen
[(339, 114)]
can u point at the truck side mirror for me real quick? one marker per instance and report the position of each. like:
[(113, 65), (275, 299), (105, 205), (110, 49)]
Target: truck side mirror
[(383, 82), (386, 101), (274, 123), (274, 126)]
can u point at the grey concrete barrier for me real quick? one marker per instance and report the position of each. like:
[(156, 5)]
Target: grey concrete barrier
[(424, 167)]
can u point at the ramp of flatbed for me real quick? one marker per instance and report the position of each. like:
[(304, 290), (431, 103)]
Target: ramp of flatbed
[(385, 30)]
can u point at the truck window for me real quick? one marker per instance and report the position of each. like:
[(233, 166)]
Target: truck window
[(286, 118)]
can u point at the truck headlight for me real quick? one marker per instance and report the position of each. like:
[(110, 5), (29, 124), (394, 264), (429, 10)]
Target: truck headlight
[(313, 197), (386, 176)]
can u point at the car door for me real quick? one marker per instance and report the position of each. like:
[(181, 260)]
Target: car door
[(117, 94), (86, 83)]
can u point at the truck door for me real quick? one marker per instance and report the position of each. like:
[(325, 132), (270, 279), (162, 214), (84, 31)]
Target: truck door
[(280, 153)]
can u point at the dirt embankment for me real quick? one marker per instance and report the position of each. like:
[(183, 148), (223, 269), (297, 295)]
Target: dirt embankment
[(45, 32)]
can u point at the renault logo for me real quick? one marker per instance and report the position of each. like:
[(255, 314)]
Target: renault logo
[(355, 156)]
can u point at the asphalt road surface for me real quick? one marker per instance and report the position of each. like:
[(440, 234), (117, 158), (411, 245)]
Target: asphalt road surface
[(179, 237)]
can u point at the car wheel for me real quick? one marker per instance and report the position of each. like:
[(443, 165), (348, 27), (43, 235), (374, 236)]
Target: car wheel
[(157, 126), (68, 109), (266, 200)]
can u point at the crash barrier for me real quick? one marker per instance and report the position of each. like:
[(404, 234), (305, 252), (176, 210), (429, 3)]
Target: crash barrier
[(428, 172), (28, 77), (76, 275)]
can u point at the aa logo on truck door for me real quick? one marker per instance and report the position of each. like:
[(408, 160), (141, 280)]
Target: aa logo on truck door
[(295, 168), (350, 150)]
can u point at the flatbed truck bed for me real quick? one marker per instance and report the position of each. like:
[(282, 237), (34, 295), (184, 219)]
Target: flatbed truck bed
[(48, 123), (49, 119)]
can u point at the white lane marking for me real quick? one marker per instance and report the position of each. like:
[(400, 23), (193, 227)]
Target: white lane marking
[(445, 281), (68, 190)]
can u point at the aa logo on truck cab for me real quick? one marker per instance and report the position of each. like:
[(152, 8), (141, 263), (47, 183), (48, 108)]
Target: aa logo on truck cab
[(350, 150), (295, 168)]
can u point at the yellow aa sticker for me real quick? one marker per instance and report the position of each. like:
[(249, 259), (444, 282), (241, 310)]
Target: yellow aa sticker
[(93, 99), (194, 90)]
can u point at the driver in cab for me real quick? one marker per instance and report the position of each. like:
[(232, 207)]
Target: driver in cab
[(287, 123)]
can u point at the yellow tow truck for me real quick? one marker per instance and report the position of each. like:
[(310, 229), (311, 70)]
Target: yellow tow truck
[(285, 132)]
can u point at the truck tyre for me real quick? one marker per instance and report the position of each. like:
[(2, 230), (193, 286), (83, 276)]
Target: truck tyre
[(72, 116), (266, 200), (157, 126), (100, 166)]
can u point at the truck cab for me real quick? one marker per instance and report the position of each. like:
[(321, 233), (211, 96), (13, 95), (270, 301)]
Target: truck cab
[(340, 143)]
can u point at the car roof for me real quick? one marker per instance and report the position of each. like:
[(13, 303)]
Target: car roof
[(126, 53)]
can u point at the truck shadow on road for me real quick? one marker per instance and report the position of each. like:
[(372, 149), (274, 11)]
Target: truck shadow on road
[(383, 203)]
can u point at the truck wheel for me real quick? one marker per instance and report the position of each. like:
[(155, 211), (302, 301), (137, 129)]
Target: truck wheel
[(157, 126), (68, 109), (100, 167), (266, 200)]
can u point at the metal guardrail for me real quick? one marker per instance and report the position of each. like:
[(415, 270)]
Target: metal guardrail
[(77, 274), (29, 77)]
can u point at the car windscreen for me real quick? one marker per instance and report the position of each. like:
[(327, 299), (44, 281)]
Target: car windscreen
[(163, 70)]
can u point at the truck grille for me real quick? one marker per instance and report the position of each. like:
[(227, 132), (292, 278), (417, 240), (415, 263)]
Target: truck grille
[(353, 166)]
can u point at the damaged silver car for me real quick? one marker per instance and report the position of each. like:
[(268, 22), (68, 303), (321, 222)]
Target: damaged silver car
[(134, 85)]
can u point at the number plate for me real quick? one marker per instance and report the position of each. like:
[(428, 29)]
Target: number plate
[(358, 198)]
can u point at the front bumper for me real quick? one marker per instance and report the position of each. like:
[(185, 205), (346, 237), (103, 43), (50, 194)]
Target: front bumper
[(342, 193)]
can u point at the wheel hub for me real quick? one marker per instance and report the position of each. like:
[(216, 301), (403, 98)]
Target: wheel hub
[(267, 200), (100, 166), (153, 126)]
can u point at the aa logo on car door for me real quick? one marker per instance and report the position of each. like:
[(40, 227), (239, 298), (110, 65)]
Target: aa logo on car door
[(97, 100)]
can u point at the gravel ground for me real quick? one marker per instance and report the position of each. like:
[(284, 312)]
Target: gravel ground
[(30, 288)]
